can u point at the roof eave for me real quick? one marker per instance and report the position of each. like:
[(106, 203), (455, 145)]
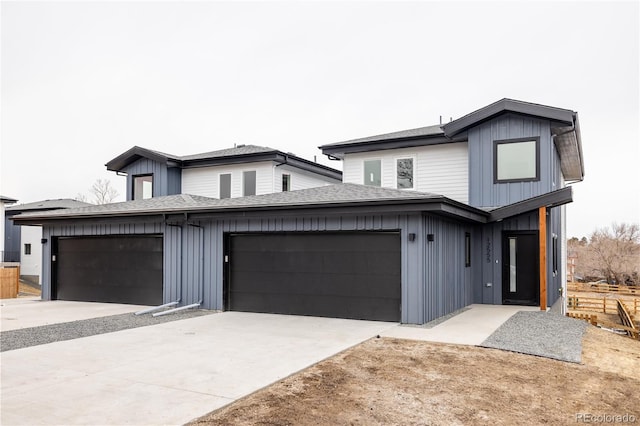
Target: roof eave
[(549, 200), (119, 163), (507, 105), (339, 150)]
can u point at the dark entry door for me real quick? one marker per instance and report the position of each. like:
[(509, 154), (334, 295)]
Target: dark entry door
[(342, 275), (114, 269), (520, 272)]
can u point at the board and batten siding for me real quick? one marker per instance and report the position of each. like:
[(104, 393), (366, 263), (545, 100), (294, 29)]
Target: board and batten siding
[(483, 192), (438, 169), (166, 180)]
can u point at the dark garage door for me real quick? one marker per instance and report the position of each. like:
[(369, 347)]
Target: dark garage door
[(342, 275), (119, 269)]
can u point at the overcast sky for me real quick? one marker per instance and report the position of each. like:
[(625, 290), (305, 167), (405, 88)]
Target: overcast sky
[(82, 82)]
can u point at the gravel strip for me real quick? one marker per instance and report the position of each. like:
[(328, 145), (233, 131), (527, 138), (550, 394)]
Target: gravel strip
[(33, 336), (542, 334)]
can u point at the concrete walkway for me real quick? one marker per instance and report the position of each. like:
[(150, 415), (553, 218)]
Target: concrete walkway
[(174, 372), (470, 327)]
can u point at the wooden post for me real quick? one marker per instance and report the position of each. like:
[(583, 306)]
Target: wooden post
[(542, 237)]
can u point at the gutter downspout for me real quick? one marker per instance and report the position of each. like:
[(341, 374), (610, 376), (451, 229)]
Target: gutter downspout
[(200, 280)]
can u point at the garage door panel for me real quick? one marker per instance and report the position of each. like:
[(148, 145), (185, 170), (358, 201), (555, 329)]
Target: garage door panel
[(355, 275), (116, 269)]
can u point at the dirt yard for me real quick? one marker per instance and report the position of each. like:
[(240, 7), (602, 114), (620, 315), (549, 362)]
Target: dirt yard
[(392, 381)]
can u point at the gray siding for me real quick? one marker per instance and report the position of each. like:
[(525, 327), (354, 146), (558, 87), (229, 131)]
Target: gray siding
[(166, 181), (434, 280), (483, 192), (491, 257), (448, 283)]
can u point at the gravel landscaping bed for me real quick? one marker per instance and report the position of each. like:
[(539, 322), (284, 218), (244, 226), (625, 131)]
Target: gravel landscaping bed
[(33, 336), (542, 334)]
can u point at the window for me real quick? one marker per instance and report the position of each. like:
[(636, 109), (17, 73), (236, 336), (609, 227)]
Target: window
[(27, 249), (142, 187), (516, 160), (249, 183), (372, 173), (286, 183), (225, 185), (404, 173), (467, 249)]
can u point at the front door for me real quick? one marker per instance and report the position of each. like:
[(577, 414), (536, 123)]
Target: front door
[(520, 268)]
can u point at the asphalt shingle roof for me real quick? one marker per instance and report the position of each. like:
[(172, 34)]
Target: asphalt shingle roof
[(330, 194), (228, 152), (433, 130), (62, 203)]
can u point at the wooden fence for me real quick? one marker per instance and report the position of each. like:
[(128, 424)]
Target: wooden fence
[(9, 281), (629, 290), (624, 309), (606, 305)]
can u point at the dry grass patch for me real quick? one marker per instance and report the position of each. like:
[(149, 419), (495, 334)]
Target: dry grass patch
[(393, 381)]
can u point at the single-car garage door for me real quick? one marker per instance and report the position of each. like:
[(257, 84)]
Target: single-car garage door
[(114, 269), (342, 275)]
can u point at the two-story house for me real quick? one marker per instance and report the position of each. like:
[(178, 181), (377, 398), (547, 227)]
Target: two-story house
[(427, 221), (228, 173)]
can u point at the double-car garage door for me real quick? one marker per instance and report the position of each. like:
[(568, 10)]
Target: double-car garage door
[(342, 275), (115, 269)]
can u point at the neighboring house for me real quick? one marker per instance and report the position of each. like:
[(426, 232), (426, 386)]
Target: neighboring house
[(428, 221), (23, 243), (4, 201), (228, 173)]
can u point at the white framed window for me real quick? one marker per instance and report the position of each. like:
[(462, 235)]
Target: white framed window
[(405, 173), (373, 172)]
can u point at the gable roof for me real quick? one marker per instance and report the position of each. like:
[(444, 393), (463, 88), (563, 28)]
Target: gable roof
[(343, 195), (236, 155)]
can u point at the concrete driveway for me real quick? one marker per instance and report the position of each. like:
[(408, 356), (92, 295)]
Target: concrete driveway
[(168, 373)]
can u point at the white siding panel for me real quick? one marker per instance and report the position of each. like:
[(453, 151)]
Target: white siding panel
[(204, 181), (300, 179), (440, 169)]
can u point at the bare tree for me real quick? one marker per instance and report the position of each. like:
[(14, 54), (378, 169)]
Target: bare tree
[(614, 253), (103, 191), (81, 197)]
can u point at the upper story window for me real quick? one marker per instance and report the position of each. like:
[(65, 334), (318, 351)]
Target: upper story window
[(516, 160), (373, 172), (286, 183), (225, 185), (249, 183), (142, 187), (27, 248), (404, 173)]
